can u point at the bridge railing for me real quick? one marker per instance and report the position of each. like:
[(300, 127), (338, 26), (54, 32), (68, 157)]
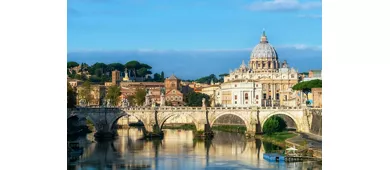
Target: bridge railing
[(172, 108)]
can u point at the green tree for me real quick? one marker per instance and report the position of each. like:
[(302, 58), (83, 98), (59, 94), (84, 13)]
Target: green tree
[(306, 86), (221, 76), (156, 77), (274, 124), (195, 99), (131, 100), (140, 96), (116, 66), (71, 95), (142, 72), (72, 64), (162, 77), (133, 66), (113, 93), (85, 91), (98, 69), (207, 79)]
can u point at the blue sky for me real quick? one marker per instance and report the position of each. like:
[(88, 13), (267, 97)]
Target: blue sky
[(157, 31)]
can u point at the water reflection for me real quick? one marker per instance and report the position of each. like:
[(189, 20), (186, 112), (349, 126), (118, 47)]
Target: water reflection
[(177, 150)]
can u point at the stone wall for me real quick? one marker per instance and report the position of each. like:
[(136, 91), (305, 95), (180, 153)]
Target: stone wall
[(316, 122), (229, 119)]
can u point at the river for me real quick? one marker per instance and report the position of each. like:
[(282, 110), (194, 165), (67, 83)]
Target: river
[(177, 150)]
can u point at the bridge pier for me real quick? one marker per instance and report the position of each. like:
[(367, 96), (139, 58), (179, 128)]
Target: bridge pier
[(152, 131), (253, 129)]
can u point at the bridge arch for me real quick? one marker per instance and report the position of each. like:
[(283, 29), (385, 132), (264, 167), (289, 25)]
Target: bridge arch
[(246, 122), (166, 117), (281, 113), (115, 121)]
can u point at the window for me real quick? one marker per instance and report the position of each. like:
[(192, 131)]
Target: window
[(246, 102), (257, 96), (292, 75), (235, 85), (269, 97), (257, 102), (173, 85), (277, 96), (264, 96), (285, 97), (235, 102), (246, 96), (257, 85), (235, 97)]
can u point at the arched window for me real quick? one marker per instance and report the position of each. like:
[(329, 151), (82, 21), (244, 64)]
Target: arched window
[(235, 97), (257, 96), (246, 96), (277, 96)]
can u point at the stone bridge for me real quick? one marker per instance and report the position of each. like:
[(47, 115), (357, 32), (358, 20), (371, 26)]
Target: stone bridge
[(105, 119)]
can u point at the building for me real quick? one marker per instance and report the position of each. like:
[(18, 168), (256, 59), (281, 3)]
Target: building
[(116, 77), (213, 91), (130, 88), (317, 97), (98, 93), (264, 82), (313, 75), (173, 90), (74, 82)]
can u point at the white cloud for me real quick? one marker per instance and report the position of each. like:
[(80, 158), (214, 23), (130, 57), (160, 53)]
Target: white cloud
[(310, 16), (301, 47), (283, 5)]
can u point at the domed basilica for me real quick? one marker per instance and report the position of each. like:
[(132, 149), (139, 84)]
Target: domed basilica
[(265, 81)]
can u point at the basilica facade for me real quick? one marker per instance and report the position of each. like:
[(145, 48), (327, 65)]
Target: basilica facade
[(264, 81)]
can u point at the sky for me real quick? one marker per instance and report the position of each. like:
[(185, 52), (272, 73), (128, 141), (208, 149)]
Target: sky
[(193, 38)]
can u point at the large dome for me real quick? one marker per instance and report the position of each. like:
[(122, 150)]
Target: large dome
[(264, 49)]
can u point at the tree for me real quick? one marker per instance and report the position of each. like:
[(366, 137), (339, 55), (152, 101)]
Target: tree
[(116, 66), (140, 96), (131, 100), (156, 77), (113, 94), (207, 79), (98, 69), (133, 66), (306, 86), (195, 99), (145, 66), (142, 72), (72, 64), (85, 91), (221, 76), (274, 124), (162, 77), (71, 96)]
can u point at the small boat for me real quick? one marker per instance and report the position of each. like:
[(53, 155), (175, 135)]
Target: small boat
[(273, 157)]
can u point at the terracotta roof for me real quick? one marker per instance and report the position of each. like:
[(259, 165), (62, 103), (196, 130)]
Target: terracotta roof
[(173, 77)]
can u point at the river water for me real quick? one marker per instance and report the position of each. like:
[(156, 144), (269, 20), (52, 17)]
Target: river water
[(177, 150)]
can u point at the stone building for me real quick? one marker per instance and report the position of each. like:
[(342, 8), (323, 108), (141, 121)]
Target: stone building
[(313, 75), (173, 90), (264, 82), (98, 93), (116, 77), (130, 88), (317, 97), (74, 82)]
